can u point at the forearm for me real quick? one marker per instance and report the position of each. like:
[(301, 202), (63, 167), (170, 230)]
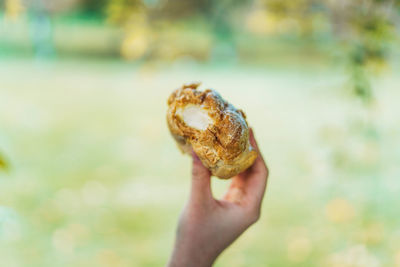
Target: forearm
[(185, 256)]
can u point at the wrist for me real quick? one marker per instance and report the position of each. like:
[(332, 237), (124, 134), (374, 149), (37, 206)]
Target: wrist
[(184, 256)]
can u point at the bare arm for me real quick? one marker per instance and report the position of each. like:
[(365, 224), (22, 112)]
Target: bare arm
[(207, 226)]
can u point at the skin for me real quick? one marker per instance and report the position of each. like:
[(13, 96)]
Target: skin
[(207, 226)]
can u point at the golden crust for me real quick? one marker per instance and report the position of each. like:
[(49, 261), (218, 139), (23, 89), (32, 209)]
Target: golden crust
[(224, 146)]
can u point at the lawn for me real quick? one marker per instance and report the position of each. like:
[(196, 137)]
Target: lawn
[(96, 180)]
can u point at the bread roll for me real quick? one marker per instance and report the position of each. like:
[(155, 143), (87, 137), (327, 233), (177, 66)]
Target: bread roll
[(215, 130)]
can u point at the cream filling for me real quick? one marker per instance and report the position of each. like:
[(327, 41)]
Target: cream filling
[(195, 116)]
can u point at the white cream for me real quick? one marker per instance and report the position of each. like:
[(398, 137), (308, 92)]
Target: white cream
[(195, 116)]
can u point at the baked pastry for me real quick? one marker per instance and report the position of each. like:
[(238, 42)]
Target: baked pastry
[(215, 130)]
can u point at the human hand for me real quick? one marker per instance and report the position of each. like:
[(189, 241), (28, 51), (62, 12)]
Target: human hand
[(207, 226)]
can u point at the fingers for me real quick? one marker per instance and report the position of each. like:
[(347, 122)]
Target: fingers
[(259, 164), (249, 186), (235, 192), (201, 180), (256, 176)]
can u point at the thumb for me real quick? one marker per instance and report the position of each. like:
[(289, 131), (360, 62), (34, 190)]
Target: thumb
[(201, 179)]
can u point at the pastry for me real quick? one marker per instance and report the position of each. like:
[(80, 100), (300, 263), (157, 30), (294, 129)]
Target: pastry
[(215, 130)]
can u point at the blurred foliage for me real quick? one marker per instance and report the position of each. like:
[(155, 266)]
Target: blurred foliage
[(13, 8), (93, 7), (3, 163), (164, 29), (360, 31), (363, 29)]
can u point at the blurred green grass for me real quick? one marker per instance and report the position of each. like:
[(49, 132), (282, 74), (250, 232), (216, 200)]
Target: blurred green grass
[(96, 180)]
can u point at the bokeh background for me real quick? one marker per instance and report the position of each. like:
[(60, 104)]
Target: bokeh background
[(89, 175)]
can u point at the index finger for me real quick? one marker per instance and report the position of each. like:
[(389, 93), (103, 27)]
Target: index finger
[(201, 184), (259, 164), (255, 178)]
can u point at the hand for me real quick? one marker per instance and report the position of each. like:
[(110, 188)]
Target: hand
[(207, 226)]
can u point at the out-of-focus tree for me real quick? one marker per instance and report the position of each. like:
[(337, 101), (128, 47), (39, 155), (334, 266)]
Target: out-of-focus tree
[(370, 29), (362, 32), (40, 15), (92, 7), (133, 16), (165, 29), (362, 28)]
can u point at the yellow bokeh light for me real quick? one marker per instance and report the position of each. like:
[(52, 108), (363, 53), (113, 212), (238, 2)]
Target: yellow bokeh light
[(262, 22), (108, 258), (13, 9), (372, 234), (299, 248), (397, 259), (339, 210), (134, 45)]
